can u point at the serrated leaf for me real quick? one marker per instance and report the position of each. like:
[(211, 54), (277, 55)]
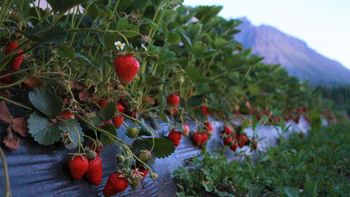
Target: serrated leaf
[(72, 131), (162, 146), (108, 112), (111, 130), (66, 51), (46, 102), (43, 131)]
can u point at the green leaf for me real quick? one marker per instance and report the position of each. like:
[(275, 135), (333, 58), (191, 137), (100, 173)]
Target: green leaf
[(162, 147), (108, 112), (194, 101), (66, 51), (62, 6), (106, 140), (129, 30), (291, 192), (43, 131), (46, 102), (310, 188), (47, 34), (195, 75), (74, 132)]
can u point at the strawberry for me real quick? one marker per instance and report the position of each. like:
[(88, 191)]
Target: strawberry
[(132, 132), (175, 137), (186, 129), (197, 138), (234, 146), (227, 141), (116, 183), (77, 166), (145, 155), (102, 103), (94, 172), (118, 121), (242, 140), (173, 100), (67, 114), (120, 108), (16, 62), (144, 171), (205, 110), (205, 138), (227, 130), (209, 127), (126, 67)]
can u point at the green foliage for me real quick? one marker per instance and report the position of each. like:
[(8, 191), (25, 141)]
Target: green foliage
[(160, 147), (46, 102), (314, 166)]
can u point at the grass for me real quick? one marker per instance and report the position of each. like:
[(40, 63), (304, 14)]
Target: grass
[(317, 165)]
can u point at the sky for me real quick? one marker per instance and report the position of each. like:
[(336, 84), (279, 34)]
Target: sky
[(323, 24)]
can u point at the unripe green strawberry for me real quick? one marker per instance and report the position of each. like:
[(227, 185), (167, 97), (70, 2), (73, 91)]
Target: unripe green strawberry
[(173, 100), (145, 155), (118, 121), (197, 138), (77, 166), (16, 62), (132, 132), (116, 183), (94, 172), (126, 67)]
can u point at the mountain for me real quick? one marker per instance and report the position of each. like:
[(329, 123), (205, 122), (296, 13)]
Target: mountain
[(293, 54)]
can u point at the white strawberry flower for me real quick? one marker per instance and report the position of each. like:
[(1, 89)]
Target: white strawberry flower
[(119, 45), (144, 47)]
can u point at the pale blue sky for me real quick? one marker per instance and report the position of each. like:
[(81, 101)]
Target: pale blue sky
[(323, 24)]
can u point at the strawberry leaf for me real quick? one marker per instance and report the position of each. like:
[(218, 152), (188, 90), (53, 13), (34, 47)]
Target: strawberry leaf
[(46, 102), (108, 112), (4, 113), (162, 147), (43, 131), (72, 132), (111, 130)]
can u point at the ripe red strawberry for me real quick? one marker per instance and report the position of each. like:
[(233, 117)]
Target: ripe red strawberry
[(144, 171), (205, 110), (227, 130), (67, 114), (175, 137), (116, 183), (77, 166), (242, 140), (197, 139), (126, 67), (102, 103), (228, 141), (94, 172), (205, 138), (173, 100), (120, 108), (209, 127), (186, 129), (16, 62), (118, 121), (234, 146)]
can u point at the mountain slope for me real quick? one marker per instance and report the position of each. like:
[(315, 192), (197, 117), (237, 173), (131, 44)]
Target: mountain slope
[(293, 54)]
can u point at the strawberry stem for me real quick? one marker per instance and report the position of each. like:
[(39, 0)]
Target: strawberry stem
[(6, 174)]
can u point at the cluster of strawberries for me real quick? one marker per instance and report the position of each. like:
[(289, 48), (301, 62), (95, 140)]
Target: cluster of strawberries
[(237, 138)]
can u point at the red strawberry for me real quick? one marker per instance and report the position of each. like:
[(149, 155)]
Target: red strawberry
[(16, 62), (120, 108), (205, 138), (175, 137), (227, 141), (197, 138), (173, 100), (77, 166), (209, 127), (227, 130), (126, 67), (186, 129), (102, 103), (144, 171), (242, 140), (116, 183), (234, 146), (94, 172), (205, 110), (118, 121), (67, 114)]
